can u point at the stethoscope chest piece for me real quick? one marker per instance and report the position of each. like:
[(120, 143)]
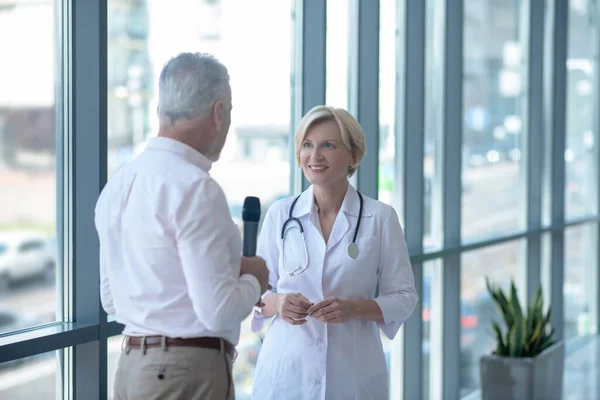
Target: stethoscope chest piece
[(352, 250)]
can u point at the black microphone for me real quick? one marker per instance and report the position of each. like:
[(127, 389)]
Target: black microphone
[(250, 216)]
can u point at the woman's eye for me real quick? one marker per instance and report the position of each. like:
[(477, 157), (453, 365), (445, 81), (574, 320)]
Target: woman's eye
[(306, 145), (329, 145)]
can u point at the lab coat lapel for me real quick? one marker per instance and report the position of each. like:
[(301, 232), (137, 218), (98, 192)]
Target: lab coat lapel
[(305, 203), (306, 211), (340, 230), (342, 225)]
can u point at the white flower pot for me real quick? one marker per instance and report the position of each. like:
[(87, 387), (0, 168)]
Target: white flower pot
[(537, 378)]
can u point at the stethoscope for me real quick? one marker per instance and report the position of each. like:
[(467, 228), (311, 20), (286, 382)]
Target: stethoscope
[(352, 247)]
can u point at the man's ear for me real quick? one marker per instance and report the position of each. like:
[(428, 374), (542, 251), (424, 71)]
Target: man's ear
[(218, 115)]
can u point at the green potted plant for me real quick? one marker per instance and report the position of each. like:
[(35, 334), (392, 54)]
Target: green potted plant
[(528, 362)]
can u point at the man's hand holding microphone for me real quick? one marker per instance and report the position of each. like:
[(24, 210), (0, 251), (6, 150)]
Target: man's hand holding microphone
[(251, 264)]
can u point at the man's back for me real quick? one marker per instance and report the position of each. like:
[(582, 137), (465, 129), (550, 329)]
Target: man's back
[(171, 267), (170, 252)]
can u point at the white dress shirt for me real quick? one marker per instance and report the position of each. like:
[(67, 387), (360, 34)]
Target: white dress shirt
[(333, 361), (170, 252)]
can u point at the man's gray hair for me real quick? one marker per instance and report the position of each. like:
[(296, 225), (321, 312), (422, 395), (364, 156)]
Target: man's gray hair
[(189, 86)]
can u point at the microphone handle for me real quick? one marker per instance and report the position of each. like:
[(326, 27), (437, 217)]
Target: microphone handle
[(250, 238)]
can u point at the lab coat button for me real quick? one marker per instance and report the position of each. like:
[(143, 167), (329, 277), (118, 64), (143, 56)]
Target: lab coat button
[(318, 382), (319, 340)]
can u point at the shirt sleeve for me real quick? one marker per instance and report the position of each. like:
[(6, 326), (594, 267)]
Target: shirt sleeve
[(267, 248), (211, 264), (397, 294), (105, 292)]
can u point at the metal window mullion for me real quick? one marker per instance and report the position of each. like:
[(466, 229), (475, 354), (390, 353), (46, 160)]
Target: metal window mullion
[(353, 67), (595, 311), (366, 95), (412, 137), (452, 197), (353, 62), (89, 162), (558, 13), (62, 159), (310, 43), (46, 339), (534, 141), (63, 131)]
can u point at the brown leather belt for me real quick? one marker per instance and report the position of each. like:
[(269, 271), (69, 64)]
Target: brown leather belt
[(205, 342)]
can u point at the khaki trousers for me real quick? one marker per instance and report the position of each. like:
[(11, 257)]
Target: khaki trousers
[(173, 373)]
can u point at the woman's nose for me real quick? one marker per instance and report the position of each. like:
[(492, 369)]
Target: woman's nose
[(317, 155)]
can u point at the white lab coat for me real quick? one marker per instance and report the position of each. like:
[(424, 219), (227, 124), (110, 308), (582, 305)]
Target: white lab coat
[(333, 361)]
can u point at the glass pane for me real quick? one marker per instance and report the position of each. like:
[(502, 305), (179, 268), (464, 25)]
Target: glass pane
[(132, 71), (494, 91), (580, 179), (256, 157), (580, 288), (337, 76), (29, 128), (32, 378), (434, 130), (114, 353), (500, 264), (388, 35), (431, 353)]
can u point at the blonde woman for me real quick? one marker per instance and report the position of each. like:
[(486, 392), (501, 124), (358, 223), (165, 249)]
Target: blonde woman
[(328, 250)]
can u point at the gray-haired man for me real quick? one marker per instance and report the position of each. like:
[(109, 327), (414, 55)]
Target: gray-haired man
[(170, 255)]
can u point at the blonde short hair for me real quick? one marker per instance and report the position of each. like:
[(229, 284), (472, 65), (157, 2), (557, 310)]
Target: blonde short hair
[(352, 133)]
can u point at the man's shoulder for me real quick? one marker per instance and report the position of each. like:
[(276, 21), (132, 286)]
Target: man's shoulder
[(168, 172), (157, 179)]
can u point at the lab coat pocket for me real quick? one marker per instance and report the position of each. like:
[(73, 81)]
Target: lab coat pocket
[(365, 265), (368, 252)]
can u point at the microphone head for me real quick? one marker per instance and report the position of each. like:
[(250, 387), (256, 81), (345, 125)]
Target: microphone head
[(251, 209)]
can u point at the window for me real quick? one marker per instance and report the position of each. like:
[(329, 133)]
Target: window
[(580, 281), (30, 164), (114, 352), (388, 36), (499, 264), (430, 316), (8, 321), (33, 377), (432, 149), (493, 126), (31, 246), (581, 141), (387, 138), (338, 66)]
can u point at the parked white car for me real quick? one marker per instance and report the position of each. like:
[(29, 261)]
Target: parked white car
[(25, 254)]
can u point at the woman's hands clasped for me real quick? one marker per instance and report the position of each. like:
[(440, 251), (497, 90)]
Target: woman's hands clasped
[(332, 310), (293, 308)]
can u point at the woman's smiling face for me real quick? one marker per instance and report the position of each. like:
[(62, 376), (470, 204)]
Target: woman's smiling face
[(324, 157)]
